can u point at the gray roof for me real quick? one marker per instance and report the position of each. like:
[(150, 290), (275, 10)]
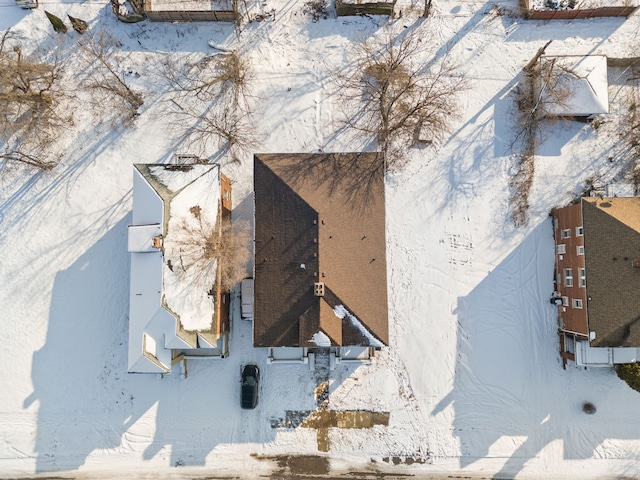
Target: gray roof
[(612, 242)]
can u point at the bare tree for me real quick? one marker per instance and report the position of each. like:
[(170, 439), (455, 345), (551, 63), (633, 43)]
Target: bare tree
[(316, 9), (226, 74), (232, 251), (213, 96), (396, 96), (18, 156), (230, 129), (544, 89), (99, 51), (30, 105), (220, 250)]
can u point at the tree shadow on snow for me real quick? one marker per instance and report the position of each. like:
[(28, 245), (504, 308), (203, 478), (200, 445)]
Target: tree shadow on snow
[(509, 382)]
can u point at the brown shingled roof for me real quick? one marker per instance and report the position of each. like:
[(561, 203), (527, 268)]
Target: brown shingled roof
[(319, 218), (612, 242)]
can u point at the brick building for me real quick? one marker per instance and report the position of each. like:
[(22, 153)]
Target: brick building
[(597, 280)]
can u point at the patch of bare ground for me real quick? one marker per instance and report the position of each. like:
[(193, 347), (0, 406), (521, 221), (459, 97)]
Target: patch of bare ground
[(289, 466)]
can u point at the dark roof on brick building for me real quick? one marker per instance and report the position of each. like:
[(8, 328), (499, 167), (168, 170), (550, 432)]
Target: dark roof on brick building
[(320, 218), (612, 243)]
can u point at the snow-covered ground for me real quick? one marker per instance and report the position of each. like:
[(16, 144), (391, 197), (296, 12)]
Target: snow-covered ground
[(472, 379)]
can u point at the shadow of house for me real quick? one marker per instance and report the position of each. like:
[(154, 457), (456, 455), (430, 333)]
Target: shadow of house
[(79, 374), (511, 397), (87, 402)]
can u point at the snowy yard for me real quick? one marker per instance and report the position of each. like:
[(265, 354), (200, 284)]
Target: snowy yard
[(472, 380)]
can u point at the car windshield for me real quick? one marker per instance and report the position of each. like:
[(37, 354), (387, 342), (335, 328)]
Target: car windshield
[(250, 381)]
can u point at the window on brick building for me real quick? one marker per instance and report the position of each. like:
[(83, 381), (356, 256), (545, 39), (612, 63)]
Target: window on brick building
[(577, 303), (568, 277)]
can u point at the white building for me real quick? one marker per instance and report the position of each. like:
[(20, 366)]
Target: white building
[(177, 307)]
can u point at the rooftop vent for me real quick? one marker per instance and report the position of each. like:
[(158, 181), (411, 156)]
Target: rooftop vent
[(318, 289), (156, 242), (636, 262)]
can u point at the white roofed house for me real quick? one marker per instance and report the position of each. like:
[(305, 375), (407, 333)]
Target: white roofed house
[(177, 304), (574, 86)]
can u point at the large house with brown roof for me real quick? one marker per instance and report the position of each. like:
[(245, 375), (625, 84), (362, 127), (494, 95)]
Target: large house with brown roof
[(597, 250), (178, 308), (320, 254)]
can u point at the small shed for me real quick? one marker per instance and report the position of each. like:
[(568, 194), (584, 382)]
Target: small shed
[(585, 77)]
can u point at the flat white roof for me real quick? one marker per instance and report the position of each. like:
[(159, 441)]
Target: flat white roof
[(586, 79)]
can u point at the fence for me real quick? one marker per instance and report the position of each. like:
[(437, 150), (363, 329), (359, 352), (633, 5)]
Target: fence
[(621, 11), (349, 8), (184, 16), (623, 62)]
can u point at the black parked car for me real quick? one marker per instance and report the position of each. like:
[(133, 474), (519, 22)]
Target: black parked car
[(249, 387)]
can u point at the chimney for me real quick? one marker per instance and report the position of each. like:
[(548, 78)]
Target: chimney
[(318, 289), (156, 242), (635, 262)]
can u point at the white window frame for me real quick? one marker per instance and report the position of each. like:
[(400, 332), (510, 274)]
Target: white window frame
[(582, 273), (576, 303), (561, 248), (149, 345), (579, 231), (566, 233), (565, 301), (555, 223), (579, 249), (570, 344), (568, 278)]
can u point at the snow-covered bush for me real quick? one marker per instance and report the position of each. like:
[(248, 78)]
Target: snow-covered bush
[(630, 373)]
